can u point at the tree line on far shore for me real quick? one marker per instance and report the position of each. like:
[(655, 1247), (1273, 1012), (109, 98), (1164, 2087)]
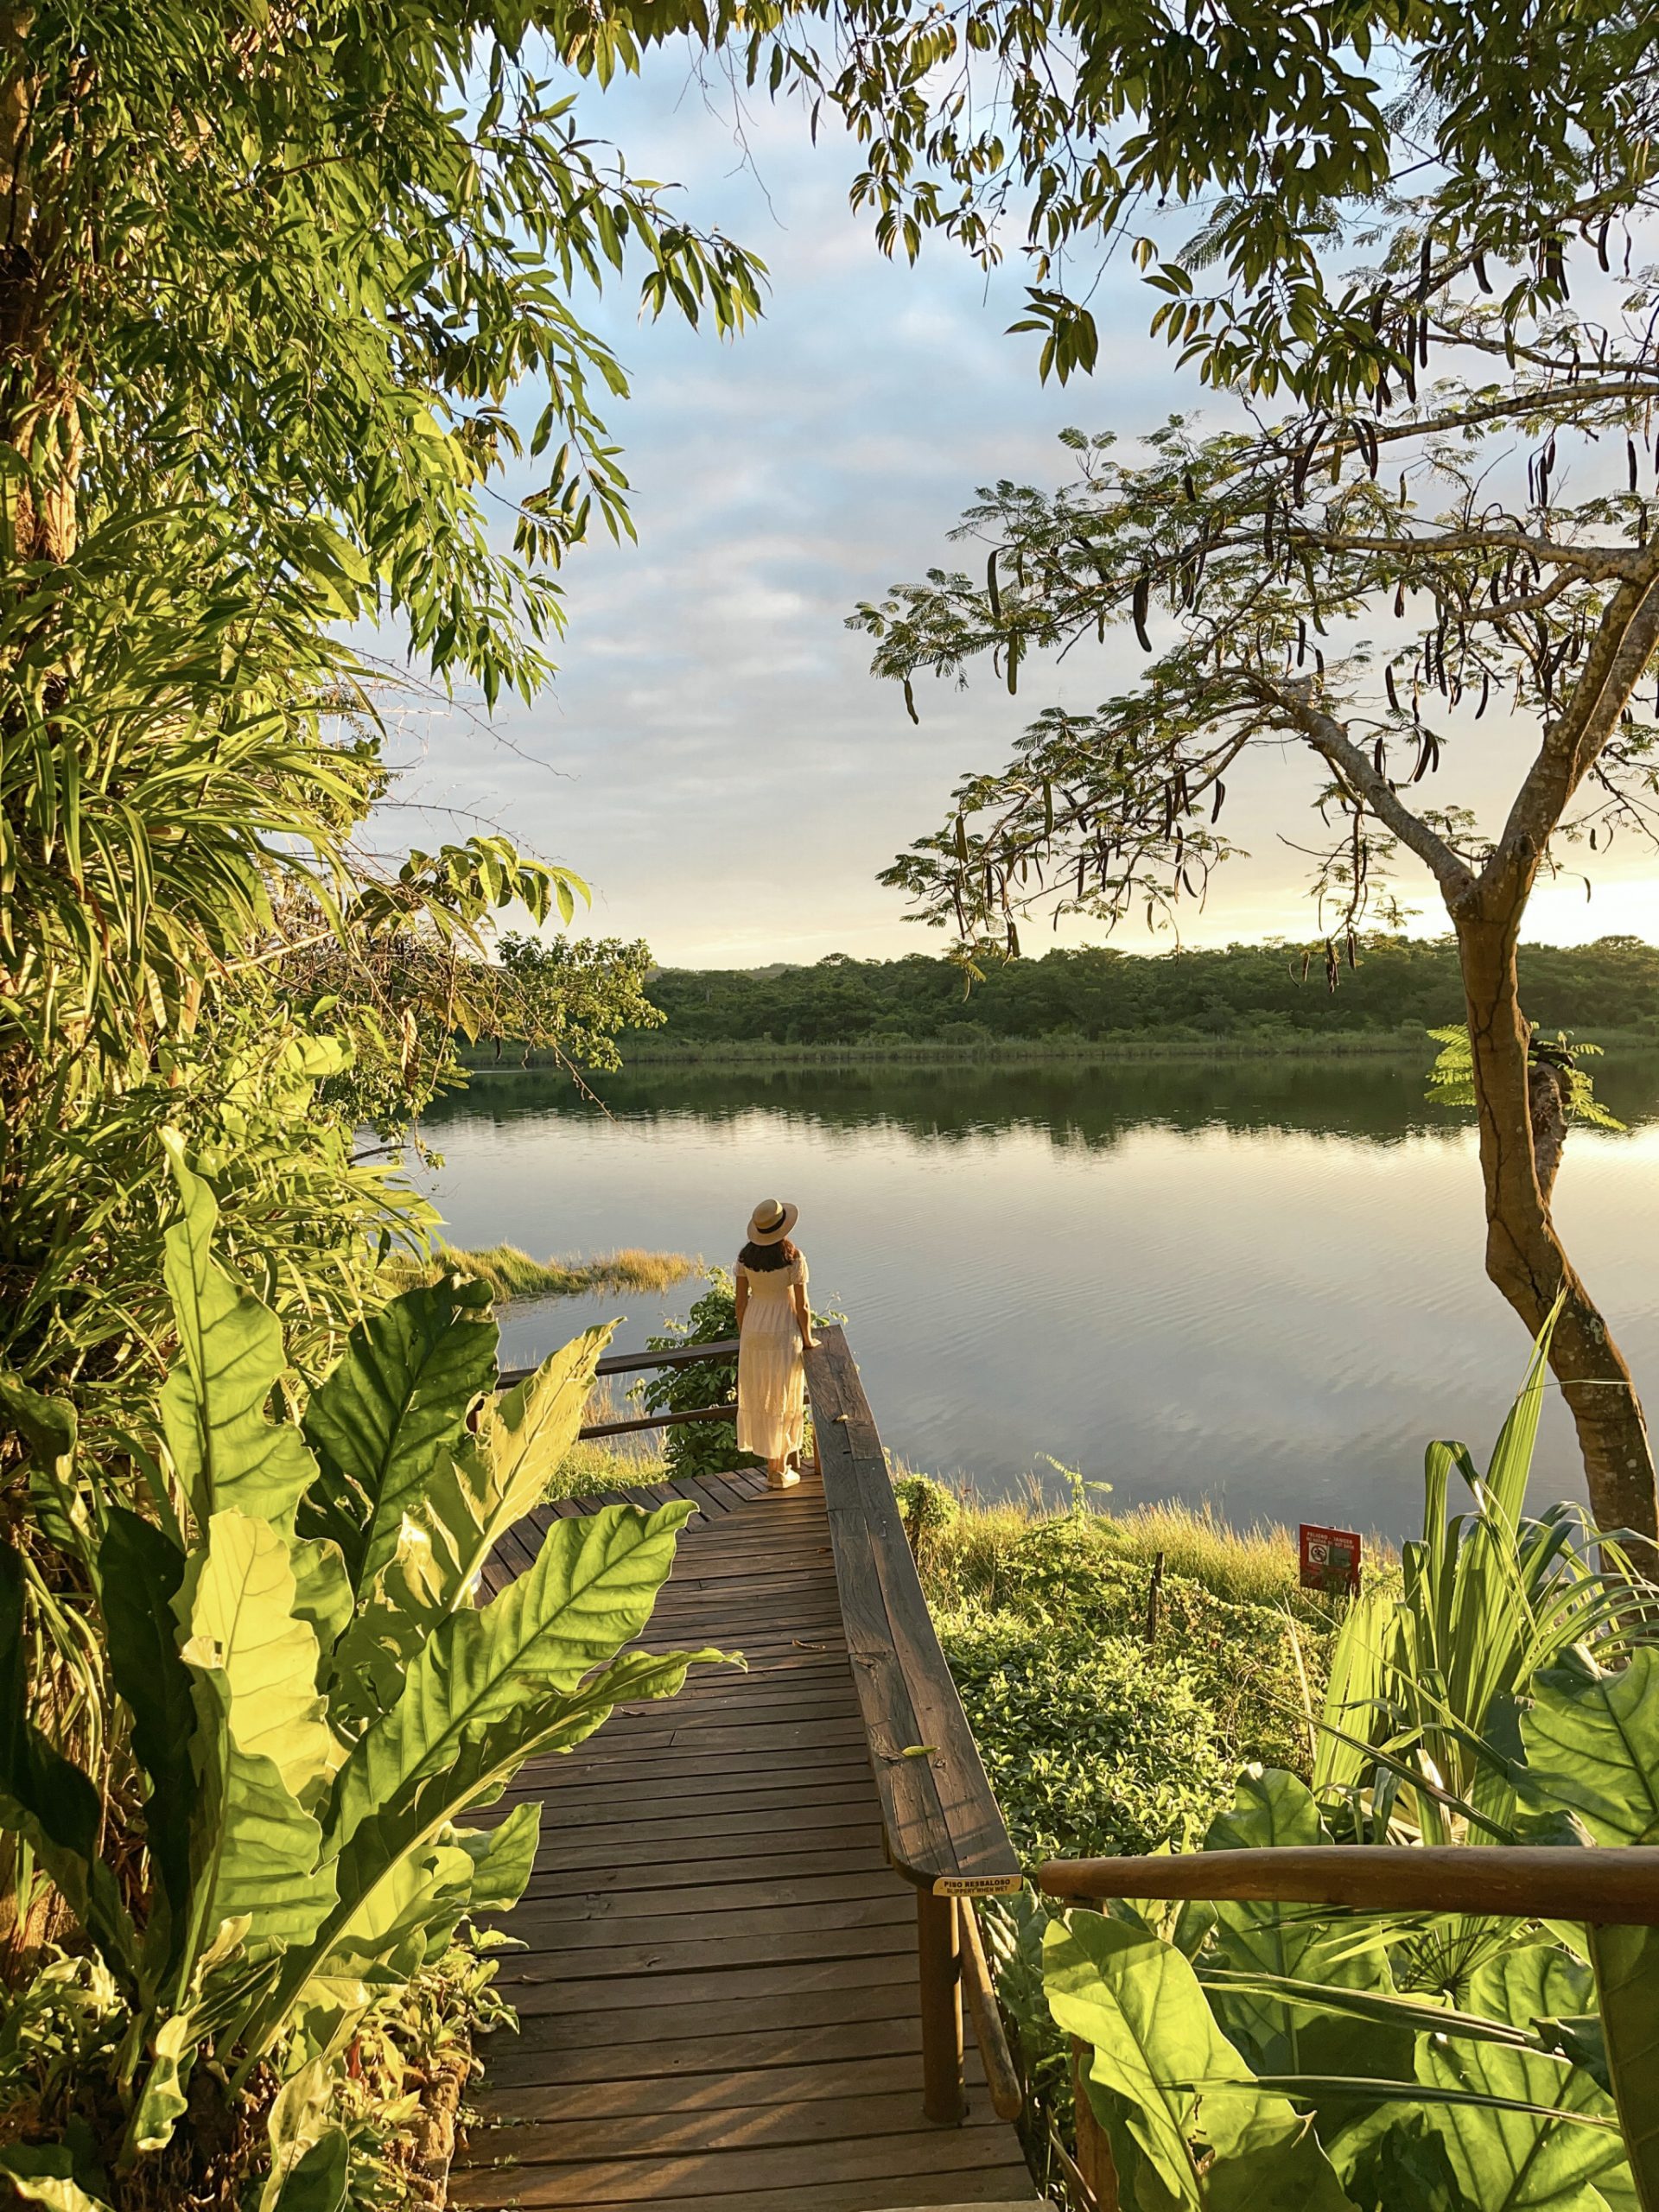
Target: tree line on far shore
[(1094, 992)]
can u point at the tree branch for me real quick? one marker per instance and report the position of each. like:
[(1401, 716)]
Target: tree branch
[(1294, 698)]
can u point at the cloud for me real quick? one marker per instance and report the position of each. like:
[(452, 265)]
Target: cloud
[(715, 755)]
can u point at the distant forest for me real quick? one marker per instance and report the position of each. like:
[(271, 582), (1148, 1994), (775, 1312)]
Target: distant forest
[(1241, 990)]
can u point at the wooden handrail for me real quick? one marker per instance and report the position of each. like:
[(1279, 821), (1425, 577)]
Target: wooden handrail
[(942, 1826), (727, 1412), (945, 1829), (628, 1363), (1001, 2074), (1618, 1885)]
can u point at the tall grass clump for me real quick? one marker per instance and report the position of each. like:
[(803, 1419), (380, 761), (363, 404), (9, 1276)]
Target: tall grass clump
[(512, 1273)]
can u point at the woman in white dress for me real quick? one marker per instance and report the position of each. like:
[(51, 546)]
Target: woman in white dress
[(774, 1326)]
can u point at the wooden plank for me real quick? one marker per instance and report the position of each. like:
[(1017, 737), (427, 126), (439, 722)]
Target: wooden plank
[(543, 1775), (662, 2180), (675, 1928), (692, 1819), (575, 1813), (821, 2121), (632, 1850), (714, 1882), (614, 1910), (750, 2090), (541, 2056), (794, 2018), (731, 1947), (836, 1981), (1007, 2188)]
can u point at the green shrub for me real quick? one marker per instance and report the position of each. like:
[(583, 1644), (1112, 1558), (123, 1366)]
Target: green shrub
[(1090, 1747), (702, 1447), (927, 1508), (1257, 1669)]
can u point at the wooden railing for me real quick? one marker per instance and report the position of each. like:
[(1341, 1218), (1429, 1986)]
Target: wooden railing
[(632, 1363), (944, 1828), (1616, 1885), (1611, 1885)]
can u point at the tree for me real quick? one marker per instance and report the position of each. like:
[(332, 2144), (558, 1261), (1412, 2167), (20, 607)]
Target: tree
[(266, 287), (1447, 394)]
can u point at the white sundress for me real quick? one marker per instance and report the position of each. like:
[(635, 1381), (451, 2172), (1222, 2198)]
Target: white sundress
[(771, 1374)]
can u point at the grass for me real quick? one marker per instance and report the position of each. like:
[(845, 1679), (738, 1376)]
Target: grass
[(512, 1274), (969, 1556), (609, 1462)]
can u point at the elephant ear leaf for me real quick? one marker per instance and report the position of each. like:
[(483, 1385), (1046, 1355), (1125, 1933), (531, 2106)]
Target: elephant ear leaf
[(143, 1570), (389, 1413), (47, 1798), (227, 1451), (490, 1689), (1626, 1960), (44, 2173), (1592, 1746), (238, 1606), (1531, 2134), (523, 1436), (1161, 2074)]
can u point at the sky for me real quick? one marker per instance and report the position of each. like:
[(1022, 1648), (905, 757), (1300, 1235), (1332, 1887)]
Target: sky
[(713, 756)]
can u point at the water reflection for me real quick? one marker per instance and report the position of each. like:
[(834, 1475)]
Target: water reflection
[(1254, 1282)]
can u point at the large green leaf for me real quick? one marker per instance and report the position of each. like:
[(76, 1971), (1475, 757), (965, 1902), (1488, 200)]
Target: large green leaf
[(590, 1592), (309, 2160), (238, 1608), (524, 1675), (1593, 1746), (256, 1851), (1626, 1962), (387, 1416), (44, 2173), (1163, 2072), (47, 1798), (469, 1499), (503, 1858), (406, 1919), (225, 1449), (522, 1437), (141, 1572), (1277, 1809), (388, 1841), (1521, 2161)]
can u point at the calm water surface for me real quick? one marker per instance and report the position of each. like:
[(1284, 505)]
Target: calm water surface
[(1255, 1284)]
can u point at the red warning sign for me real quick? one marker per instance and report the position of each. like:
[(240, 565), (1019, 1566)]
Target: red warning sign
[(1331, 1560)]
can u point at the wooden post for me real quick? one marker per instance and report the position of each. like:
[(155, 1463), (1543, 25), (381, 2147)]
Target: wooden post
[(940, 1959), (1094, 2146)]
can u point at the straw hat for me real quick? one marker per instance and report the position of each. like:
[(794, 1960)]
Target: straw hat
[(772, 1221)]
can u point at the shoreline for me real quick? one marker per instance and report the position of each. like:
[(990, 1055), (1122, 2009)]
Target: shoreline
[(1415, 1047)]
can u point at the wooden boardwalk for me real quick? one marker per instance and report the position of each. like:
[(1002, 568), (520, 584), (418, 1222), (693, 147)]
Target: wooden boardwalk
[(719, 2005)]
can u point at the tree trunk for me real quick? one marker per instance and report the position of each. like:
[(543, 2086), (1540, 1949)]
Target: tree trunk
[(1524, 1256)]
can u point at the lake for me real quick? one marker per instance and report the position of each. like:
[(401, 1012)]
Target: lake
[(1253, 1282)]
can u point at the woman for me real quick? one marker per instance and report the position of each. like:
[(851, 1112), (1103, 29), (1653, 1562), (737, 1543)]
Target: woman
[(775, 1326)]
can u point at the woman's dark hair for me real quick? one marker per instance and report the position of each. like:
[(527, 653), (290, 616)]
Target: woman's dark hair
[(762, 1259)]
